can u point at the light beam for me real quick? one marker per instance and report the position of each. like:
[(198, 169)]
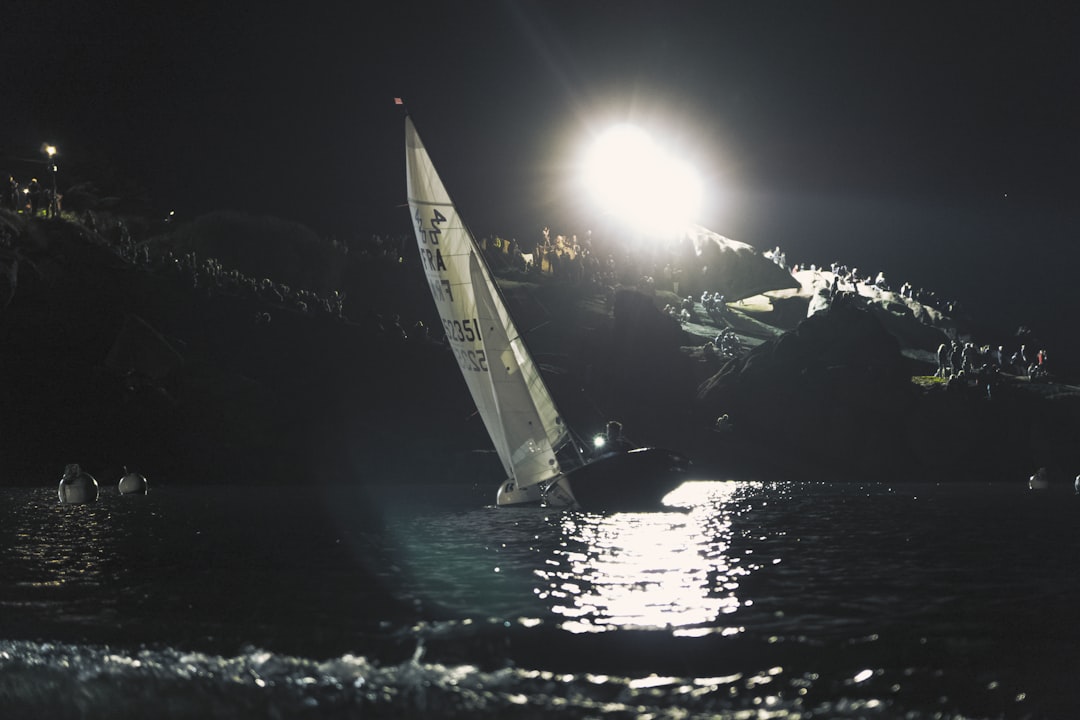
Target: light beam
[(637, 180)]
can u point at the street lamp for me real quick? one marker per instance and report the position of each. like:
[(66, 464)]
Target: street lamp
[(50, 153)]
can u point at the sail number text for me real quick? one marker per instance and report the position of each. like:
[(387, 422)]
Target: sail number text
[(430, 234), (466, 331), (471, 360), (456, 330), (432, 257), (462, 330)]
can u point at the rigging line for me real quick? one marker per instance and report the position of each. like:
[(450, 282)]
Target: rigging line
[(521, 335), (431, 203)]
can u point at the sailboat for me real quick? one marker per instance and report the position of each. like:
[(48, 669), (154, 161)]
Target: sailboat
[(544, 461)]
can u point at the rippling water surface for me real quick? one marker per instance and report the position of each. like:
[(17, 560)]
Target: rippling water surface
[(747, 600)]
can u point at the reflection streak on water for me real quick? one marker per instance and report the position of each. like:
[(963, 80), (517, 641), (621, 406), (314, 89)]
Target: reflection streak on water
[(650, 570), (71, 548)]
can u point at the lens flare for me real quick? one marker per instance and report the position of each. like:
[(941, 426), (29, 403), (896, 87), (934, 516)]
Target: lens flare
[(634, 178)]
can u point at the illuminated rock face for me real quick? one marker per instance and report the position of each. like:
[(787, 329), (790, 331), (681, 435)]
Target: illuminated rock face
[(77, 486), (133, 483)]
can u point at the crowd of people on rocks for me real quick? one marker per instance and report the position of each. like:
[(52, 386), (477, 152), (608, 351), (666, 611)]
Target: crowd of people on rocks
[(207, 276), (848, 279), (376, 245), (713, 303), (565, 258), (587, 259), (726, 345), (591, 260), (560, 256), (958, 359), (32, 198)]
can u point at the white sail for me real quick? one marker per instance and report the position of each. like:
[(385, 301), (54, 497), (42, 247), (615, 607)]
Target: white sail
[(516, 407)]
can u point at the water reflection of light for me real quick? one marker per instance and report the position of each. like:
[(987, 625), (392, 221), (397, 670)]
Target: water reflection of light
[(54, 545), (650, 570)]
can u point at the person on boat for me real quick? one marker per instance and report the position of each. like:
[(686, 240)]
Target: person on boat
[(612, 440), (723, 424)]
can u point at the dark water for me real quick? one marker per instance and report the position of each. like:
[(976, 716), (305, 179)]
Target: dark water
[(755, 601)]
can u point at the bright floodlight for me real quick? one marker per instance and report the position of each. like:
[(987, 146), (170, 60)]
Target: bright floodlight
[(49, 150), (637, 180)]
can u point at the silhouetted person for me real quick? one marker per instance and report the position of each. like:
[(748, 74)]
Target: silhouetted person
[(614, 441), (944, 354), (35, 196), (957, 357), (1020, 359), (11, 193)]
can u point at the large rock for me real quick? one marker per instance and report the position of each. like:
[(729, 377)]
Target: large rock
[(734, 268), (824, 400), (833, 400)]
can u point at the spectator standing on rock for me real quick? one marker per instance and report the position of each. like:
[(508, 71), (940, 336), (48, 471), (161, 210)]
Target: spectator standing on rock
[(11, 194), (1038, 368), (957, 357), (966, 357), (35, 195), (1020, 361), (943, 358)]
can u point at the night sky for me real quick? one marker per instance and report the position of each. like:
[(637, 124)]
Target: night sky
[(937, 141)]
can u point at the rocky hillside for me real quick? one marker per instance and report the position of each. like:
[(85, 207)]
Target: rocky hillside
[(152, 353)]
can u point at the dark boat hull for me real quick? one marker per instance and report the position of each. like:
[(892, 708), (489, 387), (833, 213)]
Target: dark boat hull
[(630, 481)]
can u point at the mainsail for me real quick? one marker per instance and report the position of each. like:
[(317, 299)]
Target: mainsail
[(516, 407)]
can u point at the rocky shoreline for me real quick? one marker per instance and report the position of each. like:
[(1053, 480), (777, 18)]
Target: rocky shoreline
[(110, 361)]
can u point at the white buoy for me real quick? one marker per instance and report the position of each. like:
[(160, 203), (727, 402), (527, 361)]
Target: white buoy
[(77, 486), (133, 483), (1040, 480)]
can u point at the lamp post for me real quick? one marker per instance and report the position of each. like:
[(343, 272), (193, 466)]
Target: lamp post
[(50, 153)]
